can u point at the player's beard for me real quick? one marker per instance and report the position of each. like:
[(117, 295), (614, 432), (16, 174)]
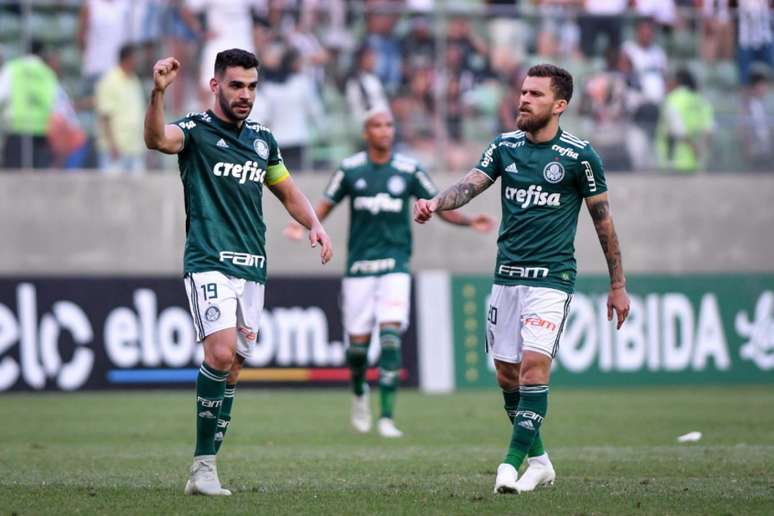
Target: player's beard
[(530, 122), (228, 111)]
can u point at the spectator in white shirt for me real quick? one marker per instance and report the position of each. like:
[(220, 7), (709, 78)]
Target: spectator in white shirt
[(601, 17), (755, 37), (363, 88), (647, 89), (103, 29), (288, 104)]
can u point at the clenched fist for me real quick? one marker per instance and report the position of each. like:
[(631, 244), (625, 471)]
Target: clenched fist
[(165, 72)]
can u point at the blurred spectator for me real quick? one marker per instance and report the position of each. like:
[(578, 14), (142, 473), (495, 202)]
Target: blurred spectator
[(757, 123), (182, 31), (120, 107), (418, 46), (414, 113), (28, 92), (647, 88), (508, 108), (559, 33), (364, 90), (227, 24), (300, 35), (662, 12), (380, 26), (603, 105), (601, 17), (717, 31), (755, 37), (145, 25), (686, 123), (70, 145), (508, 33), (103, 28), (288, 104), (471, 47)]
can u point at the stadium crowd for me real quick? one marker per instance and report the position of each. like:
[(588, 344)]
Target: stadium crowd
[(664, 85)]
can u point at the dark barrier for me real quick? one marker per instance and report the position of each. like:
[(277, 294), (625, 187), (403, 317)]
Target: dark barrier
[(99, 333)]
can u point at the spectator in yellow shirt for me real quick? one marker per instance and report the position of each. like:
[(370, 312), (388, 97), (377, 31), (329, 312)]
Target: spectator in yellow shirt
[(120, 110)]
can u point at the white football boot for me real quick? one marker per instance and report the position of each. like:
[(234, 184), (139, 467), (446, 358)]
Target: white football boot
[(388, 429), (204, 478), (540, 472), (506, 479), (361, 413)]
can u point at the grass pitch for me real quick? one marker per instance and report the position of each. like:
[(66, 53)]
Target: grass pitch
[(615, 452)]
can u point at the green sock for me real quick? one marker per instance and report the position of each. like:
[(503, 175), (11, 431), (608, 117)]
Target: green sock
[(511, 404), (224, 419), (357, 359), (532, 409), (210, 387), (389, 369)]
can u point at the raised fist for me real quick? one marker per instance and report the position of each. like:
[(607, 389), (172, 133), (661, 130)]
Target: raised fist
[(164, 72)]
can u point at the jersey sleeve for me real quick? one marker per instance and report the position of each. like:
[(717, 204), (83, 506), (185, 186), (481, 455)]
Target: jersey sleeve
[(337, 188), (591, 180), (276, 171), (423, 187), (187, 124), (489, 163)]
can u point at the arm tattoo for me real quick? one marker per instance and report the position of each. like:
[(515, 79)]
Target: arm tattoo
[(461, 192), (603, 223)]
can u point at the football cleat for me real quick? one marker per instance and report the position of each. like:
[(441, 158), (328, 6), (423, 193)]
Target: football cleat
[(388, 429), (506, 479), (538, 474), (361, 413), (204, 478)]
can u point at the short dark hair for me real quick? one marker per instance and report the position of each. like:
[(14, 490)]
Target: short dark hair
[(684, 77), (235, 57), (561, 80), (36, 47), (126, 52)]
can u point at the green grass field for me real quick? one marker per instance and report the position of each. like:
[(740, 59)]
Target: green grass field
[(615, 452)]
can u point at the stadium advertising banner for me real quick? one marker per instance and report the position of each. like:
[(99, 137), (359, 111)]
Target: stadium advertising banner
[(104, 333), (689, 329)]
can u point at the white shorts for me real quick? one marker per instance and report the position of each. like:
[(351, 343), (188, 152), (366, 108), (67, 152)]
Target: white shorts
[(218, 302), (371, 300), (525, 318)]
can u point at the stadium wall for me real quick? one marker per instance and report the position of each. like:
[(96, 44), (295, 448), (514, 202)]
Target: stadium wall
[(75, 224)]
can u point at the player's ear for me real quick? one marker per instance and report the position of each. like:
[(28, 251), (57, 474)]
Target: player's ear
[(559, 106), (213, 85)]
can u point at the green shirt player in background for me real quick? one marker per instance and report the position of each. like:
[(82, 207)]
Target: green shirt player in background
[(376, 290), (545, 174), (224, 160)]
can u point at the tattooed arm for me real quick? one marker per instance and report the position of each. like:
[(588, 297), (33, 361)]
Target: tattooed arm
[(617, 298), (459, 194)]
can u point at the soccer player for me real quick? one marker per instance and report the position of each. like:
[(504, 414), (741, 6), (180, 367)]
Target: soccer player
[(225, 160), (545, 173), (376, 290)]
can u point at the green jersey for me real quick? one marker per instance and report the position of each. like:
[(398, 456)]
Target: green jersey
[(223, 169), (542, 186), (379, 210)]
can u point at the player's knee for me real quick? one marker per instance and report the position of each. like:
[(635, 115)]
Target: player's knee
[(535, 372), (221, 358), (508, 381), (507, 375)]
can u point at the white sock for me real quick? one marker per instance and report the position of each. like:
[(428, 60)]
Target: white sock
[(543, 460)]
